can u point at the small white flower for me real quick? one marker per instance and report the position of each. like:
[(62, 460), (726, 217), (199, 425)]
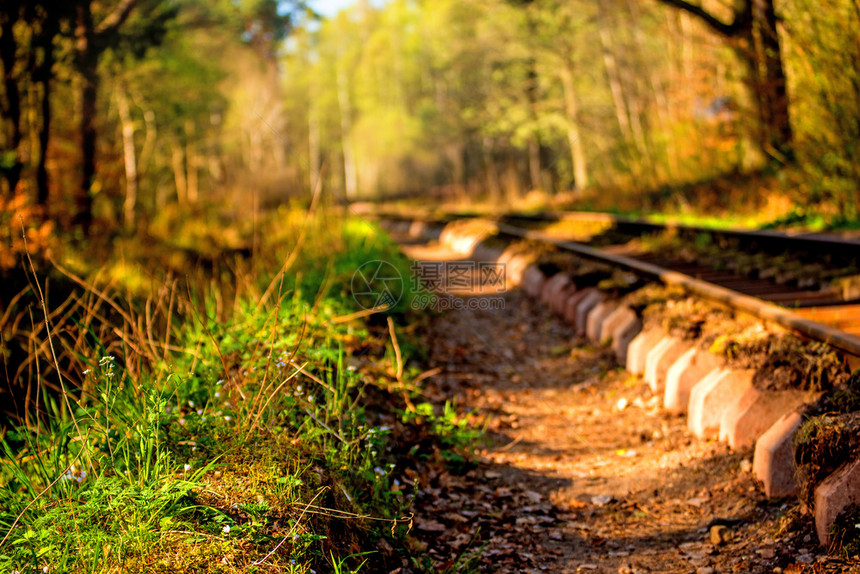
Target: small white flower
[(187, 467), (226, 529), (182, 421), (44, 568), (87, 372), (191, 404), (379, 471), (199, 411), (228, 418), (217, 394), (350, 368)]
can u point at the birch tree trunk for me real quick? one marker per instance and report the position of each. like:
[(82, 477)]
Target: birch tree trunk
[(129, 156), (577, 150), (350, 175)]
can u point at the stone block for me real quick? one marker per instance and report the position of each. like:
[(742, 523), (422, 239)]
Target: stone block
[(640, 346), (754, 412), (533, 281), (689, 369), (573, 302), (773, 463), (596, 318), (551, 287), (622, 326), (559, 301), (661, 357), (836, 492), (589, 302), (711, 396)]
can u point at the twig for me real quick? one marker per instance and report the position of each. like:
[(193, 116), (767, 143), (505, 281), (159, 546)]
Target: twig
[(328, 428), (360, 314), (295, 525), (396, 346), (51, 340)]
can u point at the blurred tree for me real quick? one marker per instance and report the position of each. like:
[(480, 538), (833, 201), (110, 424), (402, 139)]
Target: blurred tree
[(99, 27), (754, 34)]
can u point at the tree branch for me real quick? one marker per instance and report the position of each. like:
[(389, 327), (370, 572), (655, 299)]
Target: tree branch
[(116, 18), (739, 23)]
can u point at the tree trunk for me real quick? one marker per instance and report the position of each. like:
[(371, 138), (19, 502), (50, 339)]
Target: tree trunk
[(89, 82), (577, 150), (129, 157), (621, 112), (177, 161), (773, 97), (191, 162), (350, 175), (12, 107), (756, 39), (43, 75), (534, 164), (490, 168), (314, 152)]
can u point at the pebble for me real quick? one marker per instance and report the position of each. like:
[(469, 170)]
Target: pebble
[(601, 499), (587, 568), (746, 465), (720, 534), (705, 570)]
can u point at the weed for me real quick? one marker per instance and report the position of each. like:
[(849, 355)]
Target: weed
[(197, 435)]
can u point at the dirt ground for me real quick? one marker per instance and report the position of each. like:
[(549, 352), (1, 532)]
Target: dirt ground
[(582, 471)]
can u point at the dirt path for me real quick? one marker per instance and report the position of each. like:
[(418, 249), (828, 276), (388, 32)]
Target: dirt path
[(583, 472)]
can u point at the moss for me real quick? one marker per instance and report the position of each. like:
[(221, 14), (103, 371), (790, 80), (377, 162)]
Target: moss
[(821, 446)]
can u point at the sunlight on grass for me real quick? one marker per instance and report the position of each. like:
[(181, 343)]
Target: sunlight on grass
[(255, 441)]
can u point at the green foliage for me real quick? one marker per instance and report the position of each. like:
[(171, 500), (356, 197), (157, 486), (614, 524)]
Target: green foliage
[(255, 438)]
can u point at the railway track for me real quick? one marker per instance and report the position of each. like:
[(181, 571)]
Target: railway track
[(817, 307), (719, 400)]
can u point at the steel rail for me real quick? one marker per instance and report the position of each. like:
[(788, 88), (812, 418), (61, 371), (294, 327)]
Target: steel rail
[(756, 307), (779, 239)]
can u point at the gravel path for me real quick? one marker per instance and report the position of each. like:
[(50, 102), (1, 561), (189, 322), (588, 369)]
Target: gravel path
[(583, 472)]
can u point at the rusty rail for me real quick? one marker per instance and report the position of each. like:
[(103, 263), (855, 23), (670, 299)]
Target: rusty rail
[(756, 307)]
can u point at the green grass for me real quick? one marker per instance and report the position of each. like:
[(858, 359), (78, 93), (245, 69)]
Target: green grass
[(269, 441)]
